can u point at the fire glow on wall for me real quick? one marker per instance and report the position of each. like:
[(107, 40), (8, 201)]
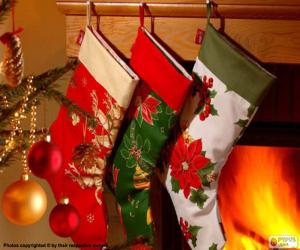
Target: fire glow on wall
[(259, 198)]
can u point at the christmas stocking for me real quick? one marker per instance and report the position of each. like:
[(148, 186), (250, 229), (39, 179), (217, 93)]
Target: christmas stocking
[(102, 85), (228, 90), (156, 106)]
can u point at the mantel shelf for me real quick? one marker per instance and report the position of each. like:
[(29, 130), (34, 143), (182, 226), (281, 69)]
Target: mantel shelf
[(267, 29), (238, 11)]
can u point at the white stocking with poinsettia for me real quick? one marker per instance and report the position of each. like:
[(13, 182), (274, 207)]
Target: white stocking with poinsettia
[(228, 90)]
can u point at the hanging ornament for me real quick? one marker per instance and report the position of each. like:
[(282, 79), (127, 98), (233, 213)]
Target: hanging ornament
[(12, 66), (44, 159), (64, 219), (24, 202)]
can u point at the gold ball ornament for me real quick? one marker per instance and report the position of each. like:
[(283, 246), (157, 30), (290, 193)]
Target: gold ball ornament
[(24, 202)]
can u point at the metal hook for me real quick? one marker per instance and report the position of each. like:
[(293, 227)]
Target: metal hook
[(208, 9), (88, 12), (145, 8)]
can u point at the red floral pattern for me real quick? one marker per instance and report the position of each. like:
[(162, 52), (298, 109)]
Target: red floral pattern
[(186, 160), (147, 107), (205, 94), (185, 229)]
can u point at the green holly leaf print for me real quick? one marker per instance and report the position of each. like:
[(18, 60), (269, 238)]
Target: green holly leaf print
[(147, 146), (124, 153), (203, 153), (132, 132), (127, 142), (213, 246), (213, 111), (148, 161), (198, 197), (159, 109), (212, 94), (207, 169), (171, 114), (175, 185), (139, 141), (204, 172), (194, 231), (139, 118), (242, 123), (155, 117), (131, 162)]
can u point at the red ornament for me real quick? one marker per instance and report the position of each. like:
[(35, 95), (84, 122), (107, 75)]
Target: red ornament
[(44, 159), (64, 219)]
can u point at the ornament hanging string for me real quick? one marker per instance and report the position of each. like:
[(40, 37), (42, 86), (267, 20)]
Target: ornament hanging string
[(6, 37)]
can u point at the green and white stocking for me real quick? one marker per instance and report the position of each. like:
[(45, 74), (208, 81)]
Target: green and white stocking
[(228, 90)]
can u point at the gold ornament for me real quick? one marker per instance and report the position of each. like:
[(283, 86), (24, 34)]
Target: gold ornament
[(24, 202), (13, 63), (149, 216), (141, 179)]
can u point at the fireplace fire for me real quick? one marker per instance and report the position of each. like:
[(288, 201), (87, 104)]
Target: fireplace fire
[(259, 198)]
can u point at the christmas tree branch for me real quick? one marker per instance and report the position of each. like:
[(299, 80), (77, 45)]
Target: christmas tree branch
[(60, 98), (41, 83), (8, 160), (44, 88), (5, 7)]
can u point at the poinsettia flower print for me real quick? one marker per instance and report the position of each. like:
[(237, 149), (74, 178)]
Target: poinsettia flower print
[(185, 229), (147, 108), (190, 232), (186, 160), (146, 105)]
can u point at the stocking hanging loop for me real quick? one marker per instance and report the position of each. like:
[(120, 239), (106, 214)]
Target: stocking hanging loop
[(141, 14), (208, 10), (88, 12), (142, 8), (91, 10)]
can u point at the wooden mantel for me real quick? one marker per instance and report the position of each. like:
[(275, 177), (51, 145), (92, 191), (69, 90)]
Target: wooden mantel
[(268, 29)]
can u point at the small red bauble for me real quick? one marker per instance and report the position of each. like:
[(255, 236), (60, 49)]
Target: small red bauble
[(44, 159), (64, 219)]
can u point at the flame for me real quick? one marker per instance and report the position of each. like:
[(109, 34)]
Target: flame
[(259, 196)]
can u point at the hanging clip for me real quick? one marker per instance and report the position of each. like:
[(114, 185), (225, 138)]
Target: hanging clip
[(208, 9), (141, 10), (144, 7), (88, 12)]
